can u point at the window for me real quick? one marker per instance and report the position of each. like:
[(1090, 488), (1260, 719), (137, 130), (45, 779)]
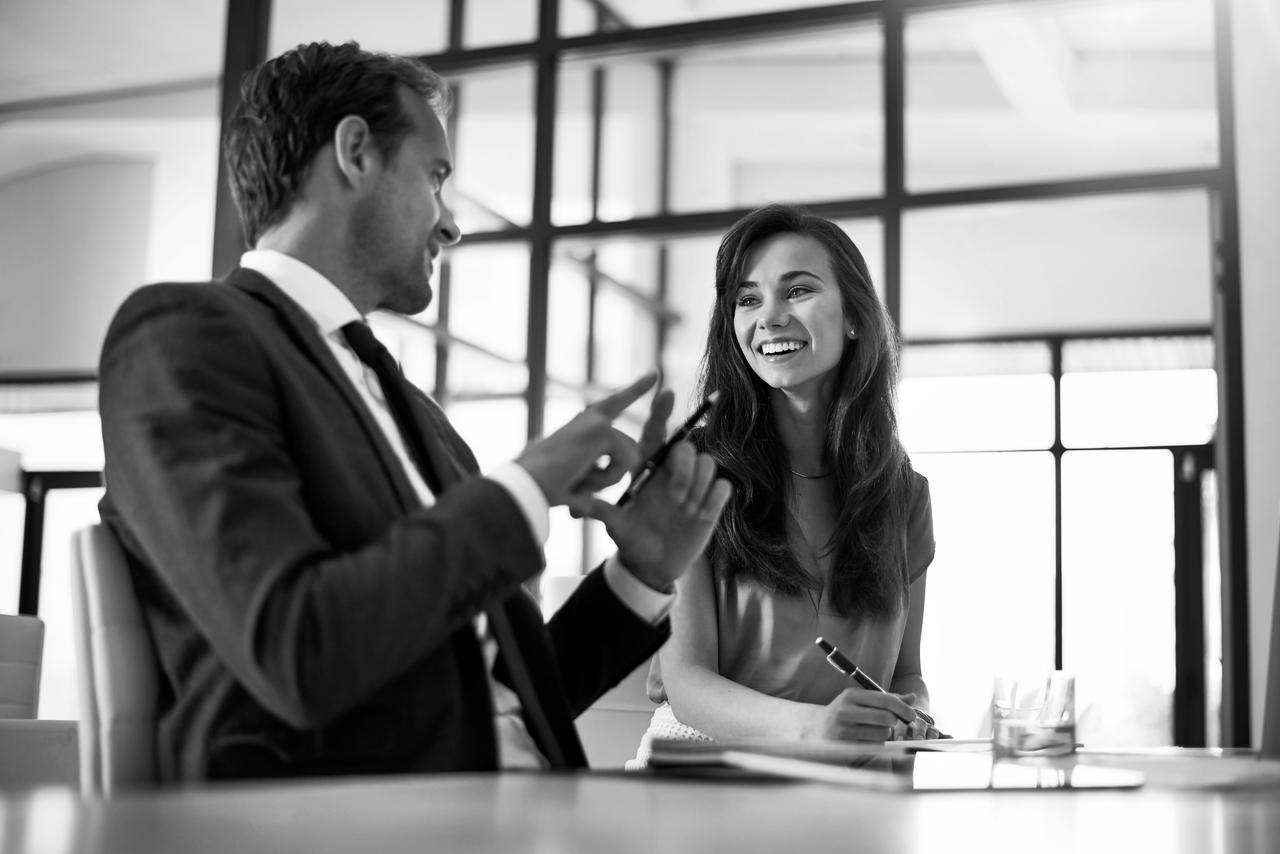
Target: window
[(974, 397), (1010, 93), (730, 125), (1135, 261), (1139, 391), (388, 25), (972, 416), (583, 16), (1043, 229), (55, 443), (1118, 593), (492, 134), (111, 141)]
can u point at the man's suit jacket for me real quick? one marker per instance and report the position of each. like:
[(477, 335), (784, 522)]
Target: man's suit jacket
[(310, 616)]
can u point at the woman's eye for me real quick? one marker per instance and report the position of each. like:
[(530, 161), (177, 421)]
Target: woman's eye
[(797, 291), (743, 302)]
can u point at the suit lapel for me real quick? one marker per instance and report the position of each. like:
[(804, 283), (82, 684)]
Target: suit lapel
[(302, 330)]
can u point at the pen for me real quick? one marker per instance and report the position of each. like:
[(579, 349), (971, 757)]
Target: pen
[(838, 660), (660, 456)]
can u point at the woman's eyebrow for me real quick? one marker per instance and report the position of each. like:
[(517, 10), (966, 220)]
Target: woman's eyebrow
[(795, 274), (785, 278)]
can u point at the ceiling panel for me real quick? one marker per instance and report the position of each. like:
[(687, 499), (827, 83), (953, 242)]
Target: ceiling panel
[(55, 48)]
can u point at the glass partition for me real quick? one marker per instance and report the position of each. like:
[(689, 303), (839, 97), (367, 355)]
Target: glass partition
[(1118, 595), (492, 22), (990, 605), (392, 26), (795, 118), (579, 17), (488, 297), (1005, 93), (66, 511), (1131, 261), (1139, 391), (974, 397), (12, 517), (492, 137)]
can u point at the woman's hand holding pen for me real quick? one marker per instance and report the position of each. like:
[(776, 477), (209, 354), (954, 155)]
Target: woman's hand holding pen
[(921, 726), (914, 724), (862, 714)]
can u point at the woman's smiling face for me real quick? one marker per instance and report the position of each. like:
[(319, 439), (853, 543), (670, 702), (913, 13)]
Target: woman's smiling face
[(788, 313)]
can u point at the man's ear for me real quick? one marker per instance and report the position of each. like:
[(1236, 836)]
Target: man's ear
[(354, 151)]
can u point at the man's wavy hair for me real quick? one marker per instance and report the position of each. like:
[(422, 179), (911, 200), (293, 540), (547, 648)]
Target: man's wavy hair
[(289, 107), (871, 470)]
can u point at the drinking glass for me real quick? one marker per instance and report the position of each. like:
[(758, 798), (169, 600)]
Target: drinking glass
[(1033, 715)]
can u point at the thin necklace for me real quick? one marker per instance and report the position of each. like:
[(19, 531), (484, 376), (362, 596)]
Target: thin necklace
[(810, 476)]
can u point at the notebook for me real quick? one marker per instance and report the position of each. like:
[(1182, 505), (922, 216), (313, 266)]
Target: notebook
[(964, 767)]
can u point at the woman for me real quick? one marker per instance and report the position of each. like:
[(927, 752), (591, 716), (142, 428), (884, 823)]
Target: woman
[(829, 531)]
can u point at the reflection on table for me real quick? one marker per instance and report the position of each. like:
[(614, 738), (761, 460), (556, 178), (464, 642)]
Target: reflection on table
[(1189, 803)]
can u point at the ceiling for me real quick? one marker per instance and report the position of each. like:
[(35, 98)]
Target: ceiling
[(88, 78), (58, 48)]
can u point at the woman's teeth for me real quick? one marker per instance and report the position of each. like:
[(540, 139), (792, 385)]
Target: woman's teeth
[(772, 348)]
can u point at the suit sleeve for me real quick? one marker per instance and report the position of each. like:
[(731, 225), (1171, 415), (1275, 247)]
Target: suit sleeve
[(203, 485), (598, 640)]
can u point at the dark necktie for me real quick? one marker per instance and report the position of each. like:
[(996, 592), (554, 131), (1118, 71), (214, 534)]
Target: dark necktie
[(395, 391)]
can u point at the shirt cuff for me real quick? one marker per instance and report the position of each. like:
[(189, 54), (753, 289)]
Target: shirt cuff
[(645, 602), (528, 496)]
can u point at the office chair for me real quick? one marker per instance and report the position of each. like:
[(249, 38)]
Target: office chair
[(32, 752), (1270, 748), (117, 668), (21, 647)]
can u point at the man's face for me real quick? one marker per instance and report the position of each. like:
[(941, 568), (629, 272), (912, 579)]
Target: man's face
[(400, 227)]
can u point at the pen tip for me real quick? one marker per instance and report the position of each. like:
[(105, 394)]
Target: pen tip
[(823, 645)]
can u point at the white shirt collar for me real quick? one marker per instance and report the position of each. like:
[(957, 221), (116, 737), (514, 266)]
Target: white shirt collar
[(314, 294)]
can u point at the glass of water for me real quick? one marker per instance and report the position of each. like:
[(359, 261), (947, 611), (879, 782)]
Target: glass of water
[(1033, 715)]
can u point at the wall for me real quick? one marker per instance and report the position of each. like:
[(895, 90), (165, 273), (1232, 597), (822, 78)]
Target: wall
[(1256, 55), (74, 243), (98, 198)]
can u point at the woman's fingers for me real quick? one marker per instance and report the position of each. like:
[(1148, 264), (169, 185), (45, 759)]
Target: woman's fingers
[(865, 715)]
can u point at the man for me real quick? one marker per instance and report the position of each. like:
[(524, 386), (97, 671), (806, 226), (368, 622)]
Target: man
[(331, 586)]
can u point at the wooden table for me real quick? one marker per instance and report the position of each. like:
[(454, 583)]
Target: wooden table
[(1197, 805)]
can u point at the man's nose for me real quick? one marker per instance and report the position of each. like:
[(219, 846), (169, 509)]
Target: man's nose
[(447, 228)]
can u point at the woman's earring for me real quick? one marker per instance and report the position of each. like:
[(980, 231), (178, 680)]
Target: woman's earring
[(853, 333)]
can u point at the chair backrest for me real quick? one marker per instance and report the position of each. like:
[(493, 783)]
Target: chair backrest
[(1271, 705), (21, 647), (117, 667)]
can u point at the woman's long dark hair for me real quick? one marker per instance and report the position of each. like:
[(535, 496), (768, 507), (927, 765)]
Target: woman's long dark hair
[(871, 470)]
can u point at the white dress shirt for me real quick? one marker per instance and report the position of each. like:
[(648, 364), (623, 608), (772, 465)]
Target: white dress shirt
[(321, 300)]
